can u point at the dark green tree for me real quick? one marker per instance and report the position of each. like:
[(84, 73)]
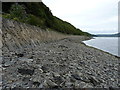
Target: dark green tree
[(17, 12)]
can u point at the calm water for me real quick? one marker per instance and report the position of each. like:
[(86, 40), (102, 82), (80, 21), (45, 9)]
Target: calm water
[(108, 44)]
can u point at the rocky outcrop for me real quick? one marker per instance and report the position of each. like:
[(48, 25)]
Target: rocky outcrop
[(17, 35)]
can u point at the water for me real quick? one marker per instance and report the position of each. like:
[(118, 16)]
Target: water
[(108, 44)]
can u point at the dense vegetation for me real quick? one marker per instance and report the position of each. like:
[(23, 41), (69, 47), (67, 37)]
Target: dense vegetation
[(40, 15)]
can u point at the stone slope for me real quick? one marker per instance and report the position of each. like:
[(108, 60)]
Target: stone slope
[(17, 35)]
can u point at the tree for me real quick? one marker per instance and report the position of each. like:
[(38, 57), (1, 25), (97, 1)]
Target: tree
[(18, 12)]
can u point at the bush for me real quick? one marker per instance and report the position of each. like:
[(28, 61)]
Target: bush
[(17, 12), (6, 16), (34, 20)]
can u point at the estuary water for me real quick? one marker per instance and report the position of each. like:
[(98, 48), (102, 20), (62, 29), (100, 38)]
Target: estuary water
[(107, 44)]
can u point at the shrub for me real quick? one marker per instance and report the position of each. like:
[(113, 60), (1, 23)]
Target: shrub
[(17, 12)]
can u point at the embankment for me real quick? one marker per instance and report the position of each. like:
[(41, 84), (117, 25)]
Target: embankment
[(18, 35)]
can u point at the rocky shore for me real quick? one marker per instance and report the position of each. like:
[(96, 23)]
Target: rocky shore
[(65, 63), (35, 58)]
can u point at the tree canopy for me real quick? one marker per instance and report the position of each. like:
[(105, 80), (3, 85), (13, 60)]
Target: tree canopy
[(38, 14)]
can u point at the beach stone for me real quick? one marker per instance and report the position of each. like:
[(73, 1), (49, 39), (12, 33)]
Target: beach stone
[(26, 60), (56, 75), (58, 80), (94, 80), (81, 77), (79, 68), (45, 69), (44, 84), (24, 71), (36, 84), (82, 63), (89, 73), (31, 57), (76, 76), (62, 46), (7, 64), (36, 78), (52, 84), (87, 86), (19, 54), (68, 84), (63, 59)]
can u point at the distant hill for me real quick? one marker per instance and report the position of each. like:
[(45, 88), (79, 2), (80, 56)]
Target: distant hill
[(107, 35), (118, 35), (38, 14)]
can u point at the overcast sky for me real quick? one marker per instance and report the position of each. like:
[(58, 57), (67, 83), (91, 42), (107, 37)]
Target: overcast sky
[(93, 16)]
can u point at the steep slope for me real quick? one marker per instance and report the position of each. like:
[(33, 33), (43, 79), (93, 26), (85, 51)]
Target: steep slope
[(39, 14), (16, 35)]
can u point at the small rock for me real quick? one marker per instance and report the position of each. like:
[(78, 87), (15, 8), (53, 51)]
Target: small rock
[(26, 60), (58, 80), (47, 74), (82, 85), (43, 85), (36, 84), (25, 71), (63, 59), (45, 69), (62, 46), (112, 88), (31, 57), (112, 79), (76, 76), (87, 86), (19, 55), (82, 63), (81, 77), (36, 78), (56, 75), (79, 68), (72, 79), (68, 84), (52, 84), (95, 60), (89, 73), (94, 80), (7, 64), (116, 69)]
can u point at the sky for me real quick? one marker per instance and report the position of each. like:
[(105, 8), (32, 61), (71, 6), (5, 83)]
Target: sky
[(93, 16)]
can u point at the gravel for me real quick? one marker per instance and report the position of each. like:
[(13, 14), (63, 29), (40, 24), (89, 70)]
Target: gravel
[(65, 63)]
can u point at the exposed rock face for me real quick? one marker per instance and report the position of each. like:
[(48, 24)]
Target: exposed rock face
[(29, 62), (18, 35)]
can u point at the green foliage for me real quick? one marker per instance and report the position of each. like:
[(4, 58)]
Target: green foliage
[(16, 19), (40, 15), (34, 20), (17, 12), (65, 27), (6, 16)]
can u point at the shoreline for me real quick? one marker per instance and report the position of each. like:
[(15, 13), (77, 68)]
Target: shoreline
[(66, 63), (100, 49)]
